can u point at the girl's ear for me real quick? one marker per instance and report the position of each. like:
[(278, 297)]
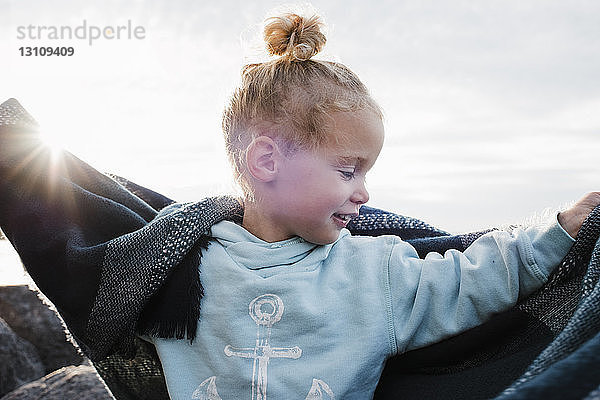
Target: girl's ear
[(262, 158)]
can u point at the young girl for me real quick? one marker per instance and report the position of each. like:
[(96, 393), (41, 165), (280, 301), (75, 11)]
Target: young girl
[(295, 307)]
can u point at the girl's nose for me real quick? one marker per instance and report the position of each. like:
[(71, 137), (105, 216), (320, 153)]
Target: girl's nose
[(360, 195)]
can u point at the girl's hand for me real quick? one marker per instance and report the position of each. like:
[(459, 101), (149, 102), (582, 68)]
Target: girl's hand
[(572, 218)]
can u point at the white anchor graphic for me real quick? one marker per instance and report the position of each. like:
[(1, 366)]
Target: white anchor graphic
[(318, 390), (207, 390), (265, 310)]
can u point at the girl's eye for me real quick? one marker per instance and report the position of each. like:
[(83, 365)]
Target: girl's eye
[(347, 175)]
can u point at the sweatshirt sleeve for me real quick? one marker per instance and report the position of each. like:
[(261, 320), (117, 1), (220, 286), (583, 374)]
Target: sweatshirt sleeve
[(440, 296)]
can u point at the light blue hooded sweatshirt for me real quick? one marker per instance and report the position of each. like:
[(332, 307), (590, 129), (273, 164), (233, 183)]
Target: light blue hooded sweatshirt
[(294, 320)]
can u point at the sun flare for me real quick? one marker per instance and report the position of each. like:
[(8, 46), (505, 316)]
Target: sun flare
[(54, 143)]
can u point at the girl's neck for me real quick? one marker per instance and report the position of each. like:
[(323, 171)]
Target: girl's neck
[(260, 223)]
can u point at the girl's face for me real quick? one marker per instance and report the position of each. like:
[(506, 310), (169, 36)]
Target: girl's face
[(316, 193)]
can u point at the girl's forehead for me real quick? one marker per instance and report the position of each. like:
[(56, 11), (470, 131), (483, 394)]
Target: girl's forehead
[(355, 136), (357, 125)]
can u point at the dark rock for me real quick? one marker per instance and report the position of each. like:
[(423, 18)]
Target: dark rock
[(74, 382), (19, 360), (35, 322)]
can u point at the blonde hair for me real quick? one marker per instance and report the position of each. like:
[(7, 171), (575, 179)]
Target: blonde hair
[(290, 98)]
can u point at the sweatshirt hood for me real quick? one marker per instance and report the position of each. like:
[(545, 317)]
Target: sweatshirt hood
[(256, 254)]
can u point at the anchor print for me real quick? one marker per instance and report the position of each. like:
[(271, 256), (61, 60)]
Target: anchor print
[(265, 310), (207, 390), (319, 391)]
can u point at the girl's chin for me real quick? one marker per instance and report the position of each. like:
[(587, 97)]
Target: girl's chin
[(325, 237)]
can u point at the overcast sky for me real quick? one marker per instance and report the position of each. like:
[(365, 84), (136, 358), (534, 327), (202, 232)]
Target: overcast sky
[(492, 107)]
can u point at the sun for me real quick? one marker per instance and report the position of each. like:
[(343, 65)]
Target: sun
[(53, 143)]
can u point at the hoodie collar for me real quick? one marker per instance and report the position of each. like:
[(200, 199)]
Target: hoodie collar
[(257, 254)]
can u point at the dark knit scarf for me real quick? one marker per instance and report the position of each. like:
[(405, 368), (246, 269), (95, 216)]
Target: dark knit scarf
[(97, 247)]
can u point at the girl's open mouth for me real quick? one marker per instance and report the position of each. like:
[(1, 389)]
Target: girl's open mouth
[(343, 219)]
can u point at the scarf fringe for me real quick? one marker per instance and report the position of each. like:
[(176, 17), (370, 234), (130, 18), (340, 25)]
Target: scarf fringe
[(160, 317)]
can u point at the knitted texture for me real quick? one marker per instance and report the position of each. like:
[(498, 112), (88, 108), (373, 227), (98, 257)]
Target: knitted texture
[(575, 303), (13, 114), (136, 266), (374, 222)]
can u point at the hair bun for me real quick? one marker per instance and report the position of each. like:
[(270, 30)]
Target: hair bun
[(294, 37)]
